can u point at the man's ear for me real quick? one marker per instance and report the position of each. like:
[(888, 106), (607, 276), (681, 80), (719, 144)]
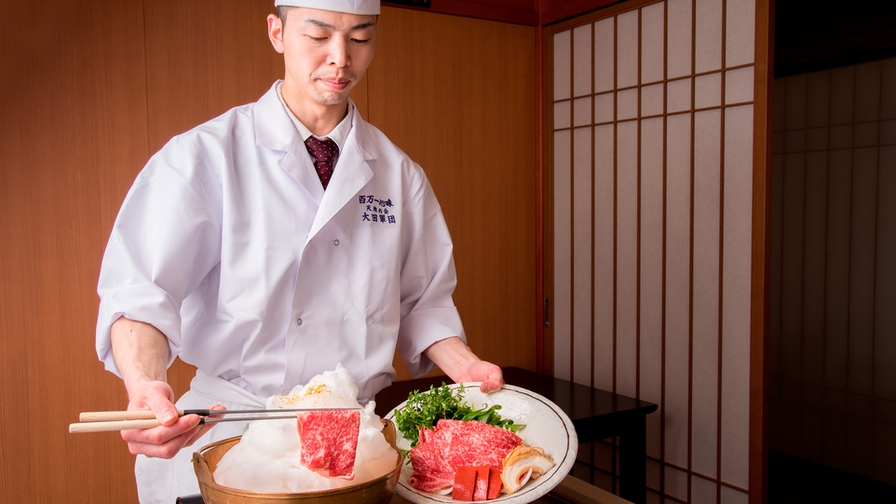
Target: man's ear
[(275, 32)]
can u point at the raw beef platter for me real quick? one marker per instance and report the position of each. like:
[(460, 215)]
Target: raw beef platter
[(509, 446)]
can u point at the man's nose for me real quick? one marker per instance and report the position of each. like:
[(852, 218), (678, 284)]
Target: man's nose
[(338, 53)]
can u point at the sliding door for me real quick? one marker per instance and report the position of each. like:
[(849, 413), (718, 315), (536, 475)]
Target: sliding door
[(655, 208)]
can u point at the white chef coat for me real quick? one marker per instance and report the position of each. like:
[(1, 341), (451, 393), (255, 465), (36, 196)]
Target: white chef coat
[(228, 244)]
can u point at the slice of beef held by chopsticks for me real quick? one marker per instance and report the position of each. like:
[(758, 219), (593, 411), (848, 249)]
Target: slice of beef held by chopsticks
[(453, 444), (329, 441)]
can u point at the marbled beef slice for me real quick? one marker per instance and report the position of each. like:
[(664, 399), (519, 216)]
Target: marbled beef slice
[(329, 441)]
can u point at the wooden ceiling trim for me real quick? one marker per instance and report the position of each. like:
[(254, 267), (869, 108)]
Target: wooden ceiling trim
[(521, 13), (530, 13)]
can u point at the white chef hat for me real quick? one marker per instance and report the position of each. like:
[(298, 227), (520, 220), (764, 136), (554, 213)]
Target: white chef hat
[(359, 7)]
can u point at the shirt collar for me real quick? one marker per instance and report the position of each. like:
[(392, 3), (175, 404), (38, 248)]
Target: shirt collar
[(339, 133)]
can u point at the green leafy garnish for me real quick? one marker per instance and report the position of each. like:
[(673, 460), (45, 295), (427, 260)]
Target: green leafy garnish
[(425, 409)]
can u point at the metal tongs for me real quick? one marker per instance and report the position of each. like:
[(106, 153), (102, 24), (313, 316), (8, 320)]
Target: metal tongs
[(105, 421)]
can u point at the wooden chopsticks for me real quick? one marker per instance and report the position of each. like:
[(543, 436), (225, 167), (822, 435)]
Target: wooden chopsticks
[(106, 421)]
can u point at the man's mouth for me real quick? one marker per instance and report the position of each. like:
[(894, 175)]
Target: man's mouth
[(336, 83)]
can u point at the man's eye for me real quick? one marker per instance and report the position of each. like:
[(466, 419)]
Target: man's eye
[(360, 41), (317, 39)]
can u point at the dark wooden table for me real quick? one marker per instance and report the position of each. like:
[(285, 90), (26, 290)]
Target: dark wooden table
[(596, 414)]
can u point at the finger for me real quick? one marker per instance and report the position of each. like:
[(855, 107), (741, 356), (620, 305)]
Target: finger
[(490, 386), (216, 407), (199, 433), (494, 380), (164, 411), (166, 450), (206, 427), (159, 436)]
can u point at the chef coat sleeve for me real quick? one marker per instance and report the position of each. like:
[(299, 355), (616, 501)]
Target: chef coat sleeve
[(428, 279), (164, 242)]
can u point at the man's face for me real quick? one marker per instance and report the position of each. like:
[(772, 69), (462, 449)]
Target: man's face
[(325, 53)]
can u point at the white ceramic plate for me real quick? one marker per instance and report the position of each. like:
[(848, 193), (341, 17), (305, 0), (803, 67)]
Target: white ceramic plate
[(546, 425)]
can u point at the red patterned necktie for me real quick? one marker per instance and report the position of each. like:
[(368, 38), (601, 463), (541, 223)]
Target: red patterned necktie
[(324, 152)]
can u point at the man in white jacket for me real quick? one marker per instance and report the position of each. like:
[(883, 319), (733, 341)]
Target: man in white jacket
[(262, 265)]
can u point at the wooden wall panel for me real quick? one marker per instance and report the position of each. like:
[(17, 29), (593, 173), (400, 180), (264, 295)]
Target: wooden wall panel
[(74, 117), (468, 119), (204, 57)]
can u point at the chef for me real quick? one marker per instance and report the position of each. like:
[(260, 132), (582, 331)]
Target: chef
[(272, 243)]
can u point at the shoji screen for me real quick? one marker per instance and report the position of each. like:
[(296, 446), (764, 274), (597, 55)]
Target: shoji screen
[(650, 205), (833, 270)]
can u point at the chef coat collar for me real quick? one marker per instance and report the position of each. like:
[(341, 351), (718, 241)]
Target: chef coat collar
[(339, 133)]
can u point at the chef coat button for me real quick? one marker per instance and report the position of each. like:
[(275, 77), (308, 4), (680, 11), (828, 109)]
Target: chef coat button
[(336, 242), (298, 321)]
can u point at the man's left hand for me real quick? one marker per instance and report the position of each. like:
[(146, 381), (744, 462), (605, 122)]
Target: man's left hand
[(455, 358), (490, 375)]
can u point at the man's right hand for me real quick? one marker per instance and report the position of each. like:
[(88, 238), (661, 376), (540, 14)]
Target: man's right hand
[(174, 434), (141, 354)]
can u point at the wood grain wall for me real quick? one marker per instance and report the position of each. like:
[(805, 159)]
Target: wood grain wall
[(91, 89)]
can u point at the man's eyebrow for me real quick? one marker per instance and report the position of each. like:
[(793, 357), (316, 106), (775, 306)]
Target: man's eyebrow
[(317, 22)]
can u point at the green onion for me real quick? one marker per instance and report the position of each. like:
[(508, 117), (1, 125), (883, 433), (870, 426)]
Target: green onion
[(425, 409)]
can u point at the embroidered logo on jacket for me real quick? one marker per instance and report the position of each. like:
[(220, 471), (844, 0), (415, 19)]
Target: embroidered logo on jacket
[(376, 210)]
